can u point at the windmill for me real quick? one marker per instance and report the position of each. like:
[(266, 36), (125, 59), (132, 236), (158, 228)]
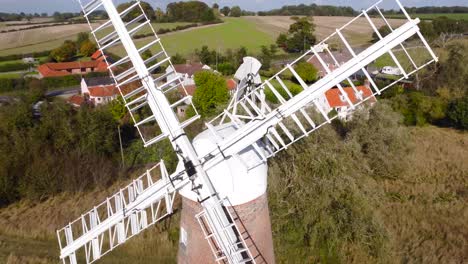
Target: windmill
[(221, 174)]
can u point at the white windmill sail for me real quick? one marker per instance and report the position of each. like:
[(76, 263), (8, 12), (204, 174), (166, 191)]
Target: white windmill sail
[(154, 116), (295, 116), (144, 202)]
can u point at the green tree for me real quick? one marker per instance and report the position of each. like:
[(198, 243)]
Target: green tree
[(265, 57), (226, 10), (239, 55), (211, 92), (236, 11), (458, 113), (383, 30), (307, 72), (178, 59), (66, 52), (427, 29), (117, 109), (81, 38), (206, 56), (87, 48), (147, 9), (300, 36), (159, 15), (273, 49), (282, 40), (208, 16)]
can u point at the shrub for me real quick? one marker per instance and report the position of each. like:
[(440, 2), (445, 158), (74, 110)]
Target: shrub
[(211, 92), (307, 72), (10, 67), (458, 113)]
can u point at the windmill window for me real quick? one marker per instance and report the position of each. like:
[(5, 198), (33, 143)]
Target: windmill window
[(183, 236)]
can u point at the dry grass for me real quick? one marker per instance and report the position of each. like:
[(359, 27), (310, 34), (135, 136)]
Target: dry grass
[(12, 40), (27, 231), (426, 210)]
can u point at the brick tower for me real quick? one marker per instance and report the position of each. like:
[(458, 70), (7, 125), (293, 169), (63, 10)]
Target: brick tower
[(243, 181)]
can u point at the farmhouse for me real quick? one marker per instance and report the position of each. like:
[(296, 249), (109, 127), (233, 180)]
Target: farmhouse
[(186, 72), (340, 57), (95, 91), (334, 100), (97, 64)]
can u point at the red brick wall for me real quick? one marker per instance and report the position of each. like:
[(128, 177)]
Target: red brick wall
[(255, 220)]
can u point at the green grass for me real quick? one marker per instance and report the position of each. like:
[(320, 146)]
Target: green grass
[(234, 33), (9, 62), (9, 75), (432, 16), (419, 55)]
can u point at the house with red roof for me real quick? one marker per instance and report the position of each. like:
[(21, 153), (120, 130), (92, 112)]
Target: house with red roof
[(97, 64), (186, 72), (95, 91), (333, 99)]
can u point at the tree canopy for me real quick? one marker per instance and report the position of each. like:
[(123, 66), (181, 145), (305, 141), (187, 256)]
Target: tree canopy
[(300, 36), (211, 92), (192, 11)]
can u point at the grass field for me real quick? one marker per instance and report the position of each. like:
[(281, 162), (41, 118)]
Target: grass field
[(42, 39), (10, 75), (358, 33), (251, 32), (432, 16), (418, 54), (235, 32)]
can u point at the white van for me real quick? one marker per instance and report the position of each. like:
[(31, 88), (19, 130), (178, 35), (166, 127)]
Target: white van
[(391, 70)]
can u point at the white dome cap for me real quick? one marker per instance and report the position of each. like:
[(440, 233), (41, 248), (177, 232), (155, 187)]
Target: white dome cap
[(241, 179)]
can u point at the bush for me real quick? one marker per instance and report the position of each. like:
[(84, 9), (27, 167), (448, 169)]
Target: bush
[(458, 113), (10, 67), (58, 82), (64, 150), (307, 72), (211, 92), (321, 209)]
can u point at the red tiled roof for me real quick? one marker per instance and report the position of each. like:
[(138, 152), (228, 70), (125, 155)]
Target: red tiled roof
[(96, 55), (64, 68), (231, 84), (341, 57), (103, 91), (189, 88), (189, 69), (76, 100), (334, 95)]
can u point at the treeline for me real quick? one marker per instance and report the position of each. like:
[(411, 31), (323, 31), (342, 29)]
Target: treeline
[(23, 84), (310, 10), (432, 30), (193, 11), (19, 17), (437, 9)]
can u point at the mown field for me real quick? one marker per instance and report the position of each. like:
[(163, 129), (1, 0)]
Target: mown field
[(35, 40), (423, 211), (235, 32)]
